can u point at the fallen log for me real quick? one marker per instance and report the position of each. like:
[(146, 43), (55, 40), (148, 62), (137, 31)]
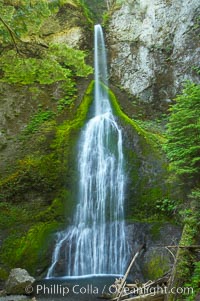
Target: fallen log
[(158, 282), (137, 290), (148, 297), (185, 247), (123, 282), (159, 287)]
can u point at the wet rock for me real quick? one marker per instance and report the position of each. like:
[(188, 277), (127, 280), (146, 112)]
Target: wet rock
[(155, 260), (18, 281), (2, 293)]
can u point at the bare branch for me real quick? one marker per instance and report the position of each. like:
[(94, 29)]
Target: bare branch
[(11, 32)]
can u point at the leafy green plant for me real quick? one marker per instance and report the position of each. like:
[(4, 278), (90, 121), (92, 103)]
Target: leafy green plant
[(196, 23), (22, 18), (186, 257), (63, 102), (29, 70), (37, 120), (61, 63), (196, 69), (167, 206), (106, 18), (154, 126), (86, 11), (71, 58)]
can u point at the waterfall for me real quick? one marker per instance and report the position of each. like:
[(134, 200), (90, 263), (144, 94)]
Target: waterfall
[(95, 243)]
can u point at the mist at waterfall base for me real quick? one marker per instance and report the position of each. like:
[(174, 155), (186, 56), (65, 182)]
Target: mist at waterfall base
[(95, 243)]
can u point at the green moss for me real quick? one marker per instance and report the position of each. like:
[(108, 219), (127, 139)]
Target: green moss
[(29, 229), (3, 274), (149, 138), (40, 172), (155, 230), (157, 266), (29, 250), (118, 112), (53, 212), (66, 131), (11, 215), (33, 246)]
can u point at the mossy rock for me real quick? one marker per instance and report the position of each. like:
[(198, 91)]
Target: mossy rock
[(29, 251), (147, 170), (157, 266), (155, 230), (30, 233)]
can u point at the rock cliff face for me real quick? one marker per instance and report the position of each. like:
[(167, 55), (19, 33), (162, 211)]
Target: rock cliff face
[(154, 48)]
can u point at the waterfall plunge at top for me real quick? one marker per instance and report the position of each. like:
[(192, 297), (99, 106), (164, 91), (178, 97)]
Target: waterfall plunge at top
[(95, 243)]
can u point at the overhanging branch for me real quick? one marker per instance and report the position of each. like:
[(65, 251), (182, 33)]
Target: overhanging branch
[(12, 34)]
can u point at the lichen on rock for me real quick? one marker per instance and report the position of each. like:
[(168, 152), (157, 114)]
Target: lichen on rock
[(18, 281)]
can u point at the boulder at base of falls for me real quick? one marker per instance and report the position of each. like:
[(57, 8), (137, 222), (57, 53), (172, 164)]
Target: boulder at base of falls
[(18, 282)]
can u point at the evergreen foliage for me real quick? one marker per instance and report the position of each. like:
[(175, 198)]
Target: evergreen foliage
[(183, 150), (183, 134), (194, 282)]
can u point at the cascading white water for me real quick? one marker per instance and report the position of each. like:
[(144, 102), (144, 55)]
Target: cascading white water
[(96, 243)]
